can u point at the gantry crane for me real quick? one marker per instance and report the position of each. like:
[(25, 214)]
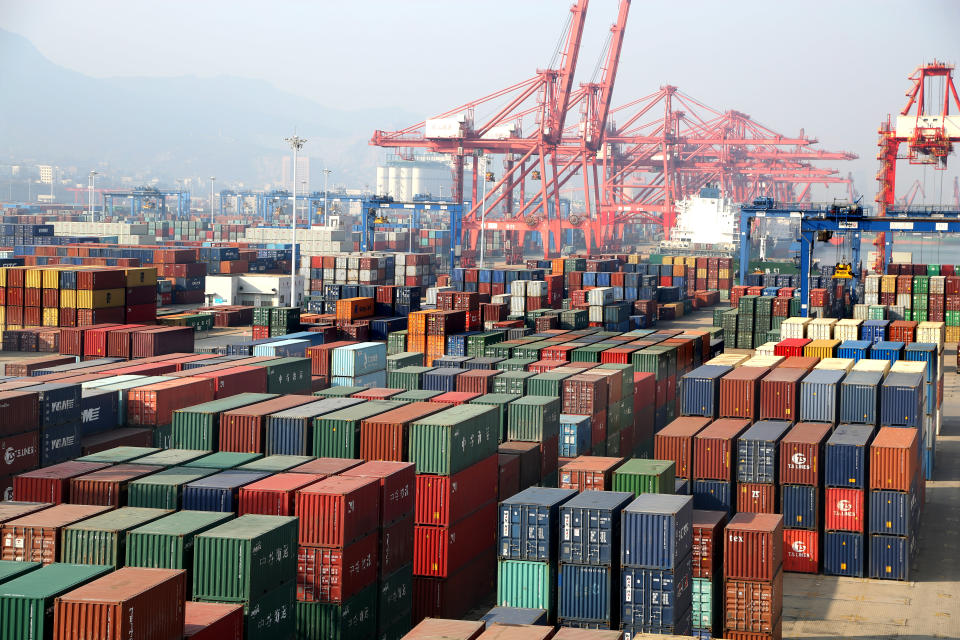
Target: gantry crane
[(926, 126)]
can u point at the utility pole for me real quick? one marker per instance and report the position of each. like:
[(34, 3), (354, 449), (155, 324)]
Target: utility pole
[(296, 143), (91, 180), (483, 211), (326, 189)]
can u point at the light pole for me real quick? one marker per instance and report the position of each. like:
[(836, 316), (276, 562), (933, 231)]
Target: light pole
[(303, 187), (296, 143), (212, 180), (91, 181), (483, 211), (326, 174)]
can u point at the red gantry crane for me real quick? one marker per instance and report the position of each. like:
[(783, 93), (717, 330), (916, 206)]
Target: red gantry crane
[(925, 125)]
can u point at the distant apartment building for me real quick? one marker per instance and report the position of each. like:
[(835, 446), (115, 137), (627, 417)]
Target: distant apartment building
[(46, 173), (303, 174)]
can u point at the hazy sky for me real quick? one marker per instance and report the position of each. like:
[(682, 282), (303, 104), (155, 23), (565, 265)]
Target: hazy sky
[(832, 67)]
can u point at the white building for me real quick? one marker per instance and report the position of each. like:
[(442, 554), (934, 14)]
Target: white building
[(257, 289), (303, 174), (46, 173), (404, 179)]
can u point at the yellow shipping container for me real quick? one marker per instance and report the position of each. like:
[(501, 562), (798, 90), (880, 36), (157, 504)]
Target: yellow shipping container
[(633, 258), (13, 327), (3, 316), (556, 266), (3, 276), (821, 348), (701, 273), (145, 276), (33, 278), (953, 334), (68, 298), (51, 317), (724, 274), (102, 299), (51, 278), (690, 262), (888, 284), (679, 270), (667, 260)]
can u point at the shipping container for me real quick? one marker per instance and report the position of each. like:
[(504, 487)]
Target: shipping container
[(740, 392), (51, 484), (398, 484), (218, 492), (753, 546), (751, 606), (108, 486), (707, 543), (844, 509), (510, 615), (758, 451), (386, 436), (780, 394), (533, 418), (35, 537), (894, 512), (335, 574), (843, 554), (212, 621), (890, 556), (801, 453), (801, 550), (590, 527), (243, 429), (675, 442), (273, 495), (645, 476), (198, 426), (656, 598), (275, 463), (820, 395), (657, 531), (589, 473), (700, 390), (443, 500), (102, 539), (435, 629), (588, 593), (715, 446), (713, 495), (438, 443), (338, 510), (860, 397), (902, 400), (290, 432), (800, 506), (845, 460), (894, 459), (223, 460), (529, 524), (164, 489), (167, 543), (442, 551)]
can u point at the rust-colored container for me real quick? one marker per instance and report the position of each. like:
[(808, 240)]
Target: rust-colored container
[(753, 546), (443, 500), (844, 509), (454, 397), (385, 436), (589, 473), (755, 497), (338, 511), (212, 621), (799, 362), (153, 405), (130, 603), (334, 574), (776, 634), (583, 394), (441, 629), (894, 458), (780, 394), (675, 442), (119, 339), (715, 447), (51, 484), (477, 380), (234, 380), (396, 545), (23, 368), (508, 483), (377, 393), (397, 487), (108, 486), (326, 466), (708, 543), (321, 354), (740, 392), (123, 437), (753, 606), (241, 430), (801, 453), (19, 410), (162, 340), (13, 509), (274, 495), (441, 551), (36, 537)]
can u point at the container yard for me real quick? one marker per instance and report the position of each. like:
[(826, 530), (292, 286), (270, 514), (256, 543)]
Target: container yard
[(579, 366)]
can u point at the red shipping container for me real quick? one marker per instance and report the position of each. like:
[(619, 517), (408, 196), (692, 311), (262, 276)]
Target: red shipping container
[(20, 452), (51, 484), (452, 598), (131, 602), (894, 459), (801, 451), (844, 509), (274, 495), (799, 362), (235, 380), (756, 498), (801, 550), (338, 511), (454, 397), (397, 486), (780, 394), (108, 486), (740, 392), (32, 297), (477, 381), (396, 545), (95, 340), (212, 621), (753, 546), (441, 551), (35, 537), (529, 459), (123, 437), (326, 466), (153, 405), (707, 543), (753, 606), (385, 436), (444, 500), (790, 347), (377, 393), (584, 395), (508, 483), (119, 339), (549, 456), (675, 442), (335, 574), (19, 410), (715, 446), (589, 473)]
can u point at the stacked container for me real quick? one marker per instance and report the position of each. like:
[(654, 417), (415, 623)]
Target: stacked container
[(714, 473), (707, 560), (801, 476), (757, 466), (656, 578), (753, 576), (895, 502), (845, 482)]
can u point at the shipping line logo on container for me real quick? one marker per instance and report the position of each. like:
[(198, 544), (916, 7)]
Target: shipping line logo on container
[(799, 461), (845, 508), (799, 548), (61, 405), (11, 455)]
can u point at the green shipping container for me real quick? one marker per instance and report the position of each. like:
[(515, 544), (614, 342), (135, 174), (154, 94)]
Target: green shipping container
[(163, 490), (454, 439), (404, 359), (198, 427), (10, 569), (502, 402), (645, 476), (702, 612), (355, 619), (574, 319), (528, 585), (223, 460), (546, 384), (654, 359), (287, 375), (338, 392), (243, 559), (396, 342), (514, 382), (102, 539), (515, 364), (119, 455), (275, 463), (533, 419), (415, 395), (337, 434), (408, 378), (477, 344), (395, 599), (26, 603), (626, 378), (167, 543), (272, 616), (172, 457)]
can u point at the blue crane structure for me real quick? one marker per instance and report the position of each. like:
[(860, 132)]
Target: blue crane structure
[(849, 219), (385, 213), (149, 198)]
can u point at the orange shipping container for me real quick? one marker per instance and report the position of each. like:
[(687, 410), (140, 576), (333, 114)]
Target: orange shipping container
[(349, 309), (153, 405)]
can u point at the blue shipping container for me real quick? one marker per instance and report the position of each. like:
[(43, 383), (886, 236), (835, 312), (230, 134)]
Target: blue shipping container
[(712, 495), (574, 435), (442, 379), (758, 451), (657, 531), (923, 352), (59, 403), (890, 556), (885, 350), (820, 395), (700, 390), (290, 432), (587, 592), (681, 487), (655, 597), (874, 330), (843, 554), (902, 400), (854, 349), (98, 411), (845, 459), (530, 523), (60, 443), (219, 491), (590, 527), (894, 513), (860, 397), (799, 504)]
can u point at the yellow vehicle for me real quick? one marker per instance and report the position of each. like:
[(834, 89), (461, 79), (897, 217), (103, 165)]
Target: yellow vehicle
[(843, 270)]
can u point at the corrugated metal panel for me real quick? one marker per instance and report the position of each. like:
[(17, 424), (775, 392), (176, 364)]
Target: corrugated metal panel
[(167, 543), (713, 495), (758, 450), (590, 526), (586, 593), (533, 418), (655, 597), (275, 464), (443, 500), (645, 476), (223, 460), (820, 395), (336, 574), (780, 394), (172, 457), (800, 506), (290, 432), (335, 511), (890, 556), (715, 446), (102, 539), (860, 397), (219, 491), (845, 461), (452, 440), (844, 509), (801, 453), (198, 427), (756, 497), (529, 521), (359, 359), (354, 620), (843, 554), (526, 584), (675, 442), (385, 436), (740, 392), (894, 512), (702, 606), (245, 558), (753, 546), (894, 459), (801, 550), (902, 400), (442, 551), (657, 531), (753, 607), (10, 569), (707, 545), (700, 390), (162, 490)]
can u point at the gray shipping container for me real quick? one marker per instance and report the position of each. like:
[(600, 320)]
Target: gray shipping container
[(590, 527), (860, 397), (290, 432), (820, 395), (757, 451)]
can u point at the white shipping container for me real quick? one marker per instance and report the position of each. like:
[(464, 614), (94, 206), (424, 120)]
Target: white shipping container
[(847, 329), (536, 288), (595, 313), (600, 296), (904, 300), (821, 328), (794, 327), (433, 291), (518, 288), (872, 284), (895, 312), (938, 284), (500, 298), (518, 305), (871, 299), (861, 311), (929, 331)]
